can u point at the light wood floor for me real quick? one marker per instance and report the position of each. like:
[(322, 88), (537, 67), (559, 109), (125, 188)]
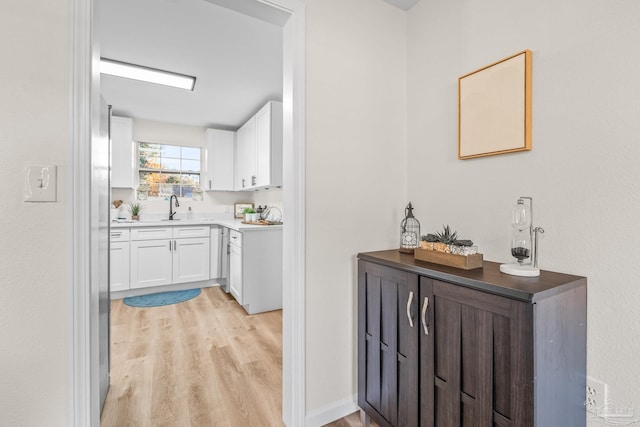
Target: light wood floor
[(201, 363), (204, 362)]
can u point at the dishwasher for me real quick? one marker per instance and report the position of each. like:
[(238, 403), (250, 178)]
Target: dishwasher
[(224, 259)]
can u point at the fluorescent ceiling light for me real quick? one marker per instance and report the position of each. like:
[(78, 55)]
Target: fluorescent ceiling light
[(146, 74)]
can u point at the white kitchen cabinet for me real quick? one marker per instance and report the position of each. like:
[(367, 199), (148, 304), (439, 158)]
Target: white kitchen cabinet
[(235, 272), (190, 260), (246, 155), (119, 260), (259, 149), (169, 255), (122, 152), (255, 269), (151, 263), (269, 146), (220, 160)]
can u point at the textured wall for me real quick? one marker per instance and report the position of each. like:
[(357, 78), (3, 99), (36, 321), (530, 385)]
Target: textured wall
[(35, 274), (355, 187), (583, 170)]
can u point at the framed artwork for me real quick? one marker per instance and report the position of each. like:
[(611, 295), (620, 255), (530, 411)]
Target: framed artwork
[(239, 207), (494, 108)]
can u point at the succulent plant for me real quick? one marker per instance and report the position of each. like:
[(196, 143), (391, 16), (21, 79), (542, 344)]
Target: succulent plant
[(429, 238), (446, 236)]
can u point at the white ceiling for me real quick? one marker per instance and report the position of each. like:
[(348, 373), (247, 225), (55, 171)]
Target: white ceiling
[(236, 58)]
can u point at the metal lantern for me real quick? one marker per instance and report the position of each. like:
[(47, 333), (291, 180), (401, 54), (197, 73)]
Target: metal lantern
[(409, 231)]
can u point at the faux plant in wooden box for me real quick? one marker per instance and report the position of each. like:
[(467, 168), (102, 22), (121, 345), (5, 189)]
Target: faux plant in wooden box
[(447, 241), (445, 248)]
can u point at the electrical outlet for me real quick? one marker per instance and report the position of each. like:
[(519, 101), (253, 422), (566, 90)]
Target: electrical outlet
[(596, 397)]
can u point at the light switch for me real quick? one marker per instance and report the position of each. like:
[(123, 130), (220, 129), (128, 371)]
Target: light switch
[(40, 183)]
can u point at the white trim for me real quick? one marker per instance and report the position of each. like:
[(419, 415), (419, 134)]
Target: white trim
[(83, 356), (332, 412), (80, 125), (294, 312)]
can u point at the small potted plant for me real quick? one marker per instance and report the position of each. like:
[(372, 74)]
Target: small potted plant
[(249, 215), (447, 241), (134, 210)]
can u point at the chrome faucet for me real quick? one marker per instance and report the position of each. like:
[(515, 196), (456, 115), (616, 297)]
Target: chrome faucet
[(171, 212)]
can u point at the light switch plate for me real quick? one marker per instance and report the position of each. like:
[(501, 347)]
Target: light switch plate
[(40, 183)]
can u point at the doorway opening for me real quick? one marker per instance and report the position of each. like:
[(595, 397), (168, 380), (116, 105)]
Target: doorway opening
[(85, 96)]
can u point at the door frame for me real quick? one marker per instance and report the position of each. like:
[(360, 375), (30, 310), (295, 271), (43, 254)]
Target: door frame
[(84, 78)]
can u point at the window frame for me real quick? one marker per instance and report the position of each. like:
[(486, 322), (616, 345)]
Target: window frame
[(201, 173)]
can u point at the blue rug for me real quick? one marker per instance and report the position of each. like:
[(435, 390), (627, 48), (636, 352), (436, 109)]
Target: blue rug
[(162, 298)]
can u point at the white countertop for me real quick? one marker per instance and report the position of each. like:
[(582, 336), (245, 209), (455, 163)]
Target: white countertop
[(234, 224)]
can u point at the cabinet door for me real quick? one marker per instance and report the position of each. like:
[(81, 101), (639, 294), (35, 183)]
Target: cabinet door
[(119, 266), (122, 149), (190, 259), (235, 272), (220, 160), (388, 332), (246, 155), (151, 263), (476, 358), (269, 145)]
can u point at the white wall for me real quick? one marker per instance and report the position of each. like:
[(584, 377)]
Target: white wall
[(583, 171), (355, 180), (35, 277)]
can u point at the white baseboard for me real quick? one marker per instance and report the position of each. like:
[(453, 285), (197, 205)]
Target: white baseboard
[(332, 412)]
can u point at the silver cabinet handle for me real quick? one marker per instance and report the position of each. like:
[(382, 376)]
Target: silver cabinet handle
[(409, 301), (209, 184), (243, 182), (169, 245), (175, 245), (424, 315), (253, 180)]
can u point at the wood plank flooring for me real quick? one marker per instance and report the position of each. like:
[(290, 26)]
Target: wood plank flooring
[(204, 362)]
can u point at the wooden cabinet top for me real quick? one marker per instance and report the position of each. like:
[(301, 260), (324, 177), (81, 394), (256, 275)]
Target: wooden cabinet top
[(488, 279)]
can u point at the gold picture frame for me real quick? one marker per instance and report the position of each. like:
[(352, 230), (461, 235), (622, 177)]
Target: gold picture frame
[(239, 207), (494, 108)]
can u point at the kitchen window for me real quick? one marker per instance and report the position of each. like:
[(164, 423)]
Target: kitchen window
[(169, 169)]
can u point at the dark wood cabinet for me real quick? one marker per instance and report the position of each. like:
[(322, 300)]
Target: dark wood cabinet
[(442, 347), (388, 367)]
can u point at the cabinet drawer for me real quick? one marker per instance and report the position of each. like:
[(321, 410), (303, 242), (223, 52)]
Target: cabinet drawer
[(191, 231), (151, 233), (235, 237), (119, 234)]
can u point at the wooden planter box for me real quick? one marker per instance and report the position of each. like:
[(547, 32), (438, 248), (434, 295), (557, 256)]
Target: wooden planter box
[(465, 262)]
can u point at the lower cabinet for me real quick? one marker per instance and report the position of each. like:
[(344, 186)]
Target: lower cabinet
[(119, 260), (441, 349), (157, 262), (255, 269), (235, 272)]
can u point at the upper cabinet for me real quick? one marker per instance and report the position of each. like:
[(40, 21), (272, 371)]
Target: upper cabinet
[(122, 165), (269, 145), (219, 153), (249, 159), (246, 156), (259, 149)]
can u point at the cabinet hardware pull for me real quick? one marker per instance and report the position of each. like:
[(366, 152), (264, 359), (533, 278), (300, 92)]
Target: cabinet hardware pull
[(409, 301), (424, 315), (209, 184), (243, 182), (169, 245), (175, 245), (253, 180)]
